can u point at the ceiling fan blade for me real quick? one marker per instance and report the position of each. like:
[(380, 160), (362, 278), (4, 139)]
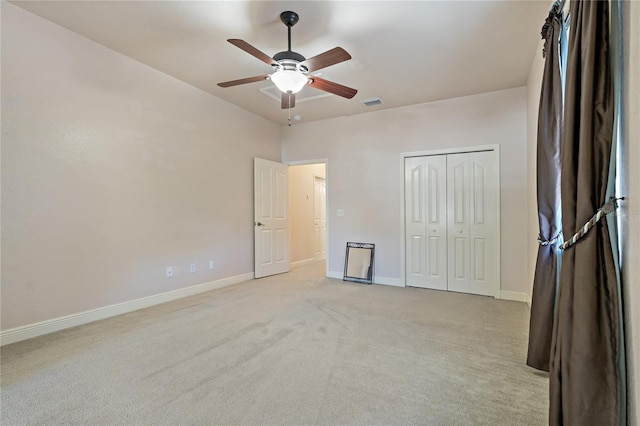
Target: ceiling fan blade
[(243, 81), (331, 87), (328, 58), (252, 51), (288, 100)]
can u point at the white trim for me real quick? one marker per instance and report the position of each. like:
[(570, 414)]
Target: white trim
[(335, 274), (49, 326), (303, 262), (514, 295), (477, 148), (305, 162), (394, 282)]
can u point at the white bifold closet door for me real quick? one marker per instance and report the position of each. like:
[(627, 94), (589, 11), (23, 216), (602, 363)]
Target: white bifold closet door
[(426, 221), (451, 222)]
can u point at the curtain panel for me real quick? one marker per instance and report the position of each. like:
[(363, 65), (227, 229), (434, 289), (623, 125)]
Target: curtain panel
[(584, 381), (550, 115)]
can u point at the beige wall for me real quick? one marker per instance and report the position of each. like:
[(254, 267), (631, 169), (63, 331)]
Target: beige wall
[(630, 212), (364, 173), (534, 84), (111, 171), (301, 190)]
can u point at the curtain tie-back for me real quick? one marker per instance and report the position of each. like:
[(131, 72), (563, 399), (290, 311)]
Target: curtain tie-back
[(609, 207), (544, 242)]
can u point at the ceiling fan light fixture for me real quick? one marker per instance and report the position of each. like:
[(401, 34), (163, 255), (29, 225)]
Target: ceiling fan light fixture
[(289, 81)]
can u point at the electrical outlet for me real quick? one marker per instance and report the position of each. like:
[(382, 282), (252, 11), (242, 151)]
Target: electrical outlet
[(192, 268), (169, 271), (211, 264)]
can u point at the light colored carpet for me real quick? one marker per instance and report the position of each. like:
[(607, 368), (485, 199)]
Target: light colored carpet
[(292, 349)]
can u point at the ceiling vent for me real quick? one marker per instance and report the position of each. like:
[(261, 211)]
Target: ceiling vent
[(371, 102)]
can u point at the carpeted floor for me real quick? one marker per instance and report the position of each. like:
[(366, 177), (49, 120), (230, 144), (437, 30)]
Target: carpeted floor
[(291, 349)]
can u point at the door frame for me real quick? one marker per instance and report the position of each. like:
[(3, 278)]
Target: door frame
[(456, 150), (324, 161)]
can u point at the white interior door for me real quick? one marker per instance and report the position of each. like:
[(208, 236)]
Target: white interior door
[(426, 221), (319, 218), (271, 223)]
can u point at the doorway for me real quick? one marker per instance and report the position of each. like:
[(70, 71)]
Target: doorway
[(308, 212)]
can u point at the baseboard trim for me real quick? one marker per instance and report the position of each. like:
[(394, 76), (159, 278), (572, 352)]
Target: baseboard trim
[(514, 295), (49, 326), (302, 262), (395, 282)]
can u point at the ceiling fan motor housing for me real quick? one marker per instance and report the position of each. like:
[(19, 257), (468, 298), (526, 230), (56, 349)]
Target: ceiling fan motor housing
[(288, 18)]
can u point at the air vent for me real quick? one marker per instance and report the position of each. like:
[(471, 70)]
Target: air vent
[(371, 102)]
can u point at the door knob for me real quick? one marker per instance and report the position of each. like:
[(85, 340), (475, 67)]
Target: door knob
[(259, 224)]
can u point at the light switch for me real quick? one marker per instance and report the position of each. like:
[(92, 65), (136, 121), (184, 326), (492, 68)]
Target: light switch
[(340, 212)]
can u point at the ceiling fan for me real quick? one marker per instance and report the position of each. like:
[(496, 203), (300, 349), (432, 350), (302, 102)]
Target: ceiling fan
[(291, 68)]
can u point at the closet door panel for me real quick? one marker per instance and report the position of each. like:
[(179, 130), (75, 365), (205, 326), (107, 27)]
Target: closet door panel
[(458, 196), (425, 222), (483, 222), (415, 221), (436, 231)]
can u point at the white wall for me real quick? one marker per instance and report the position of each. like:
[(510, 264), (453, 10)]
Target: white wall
[(111, 171), (364, 173)]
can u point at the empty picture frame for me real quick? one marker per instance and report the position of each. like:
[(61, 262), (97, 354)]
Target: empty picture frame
[(358, 263)]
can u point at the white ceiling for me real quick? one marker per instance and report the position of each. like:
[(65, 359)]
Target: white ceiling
[(403, 52)]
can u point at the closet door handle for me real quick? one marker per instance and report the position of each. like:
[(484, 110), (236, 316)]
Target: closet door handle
[(259, 224)]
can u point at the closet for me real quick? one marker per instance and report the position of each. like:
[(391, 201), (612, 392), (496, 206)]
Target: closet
[(452, 222)]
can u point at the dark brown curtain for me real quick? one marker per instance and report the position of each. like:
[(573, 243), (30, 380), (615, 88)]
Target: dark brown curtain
[(584, 379), (548, 185)]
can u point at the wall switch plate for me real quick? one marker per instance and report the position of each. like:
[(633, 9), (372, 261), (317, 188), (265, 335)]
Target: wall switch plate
[(340, 212), (169, 271), (211, 264), (192, 267)]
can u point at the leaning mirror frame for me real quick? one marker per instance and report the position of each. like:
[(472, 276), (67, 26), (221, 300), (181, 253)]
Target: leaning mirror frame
[(358, 262)]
